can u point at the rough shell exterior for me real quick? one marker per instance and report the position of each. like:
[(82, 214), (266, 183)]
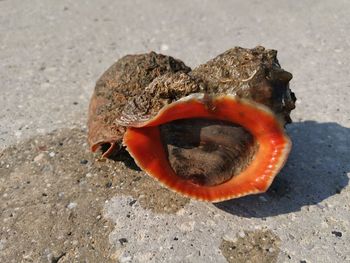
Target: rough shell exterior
[(136, 87), (121, 84)]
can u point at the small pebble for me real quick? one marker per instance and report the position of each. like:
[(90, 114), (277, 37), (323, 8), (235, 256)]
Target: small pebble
[(39, 157), (123, 241), (52, 154), (84, 161), (132, 202), (337, 233), (124, 259), (164, 47), (72, 205), (241, 234)]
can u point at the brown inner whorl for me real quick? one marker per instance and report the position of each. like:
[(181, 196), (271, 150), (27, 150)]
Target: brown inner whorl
[(207, 152)]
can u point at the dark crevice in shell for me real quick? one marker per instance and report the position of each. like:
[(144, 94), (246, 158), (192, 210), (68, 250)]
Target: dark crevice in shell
[(104, 147)]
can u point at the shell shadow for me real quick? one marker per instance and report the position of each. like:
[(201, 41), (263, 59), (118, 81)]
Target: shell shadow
[(123, 156), (317, 169)]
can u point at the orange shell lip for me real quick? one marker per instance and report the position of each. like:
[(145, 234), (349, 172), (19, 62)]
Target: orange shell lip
[(144, 144)]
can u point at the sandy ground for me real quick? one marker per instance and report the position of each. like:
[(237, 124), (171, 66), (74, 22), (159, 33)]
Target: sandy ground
[(60, 203)]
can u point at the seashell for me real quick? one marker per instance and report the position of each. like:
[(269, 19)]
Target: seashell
[(213, 133)]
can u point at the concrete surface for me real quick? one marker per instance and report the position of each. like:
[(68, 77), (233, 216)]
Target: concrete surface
[(51, 54)]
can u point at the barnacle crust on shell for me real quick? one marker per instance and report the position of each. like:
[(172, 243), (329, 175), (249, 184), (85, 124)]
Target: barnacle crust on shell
[(123, 82)]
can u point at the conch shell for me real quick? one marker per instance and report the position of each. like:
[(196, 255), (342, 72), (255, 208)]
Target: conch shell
[(213, 133)]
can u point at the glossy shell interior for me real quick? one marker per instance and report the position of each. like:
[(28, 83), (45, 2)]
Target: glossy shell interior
[(144, 144)]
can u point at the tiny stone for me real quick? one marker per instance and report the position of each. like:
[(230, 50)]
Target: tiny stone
[(88, 175), (164, 47), (109, 185), (72, 205), (241, 234), (84, 161), (52, 154), (132, 202), (176, 238), (123, 241), (75, 103), (39, 157), (125, 259), (337, 233)]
